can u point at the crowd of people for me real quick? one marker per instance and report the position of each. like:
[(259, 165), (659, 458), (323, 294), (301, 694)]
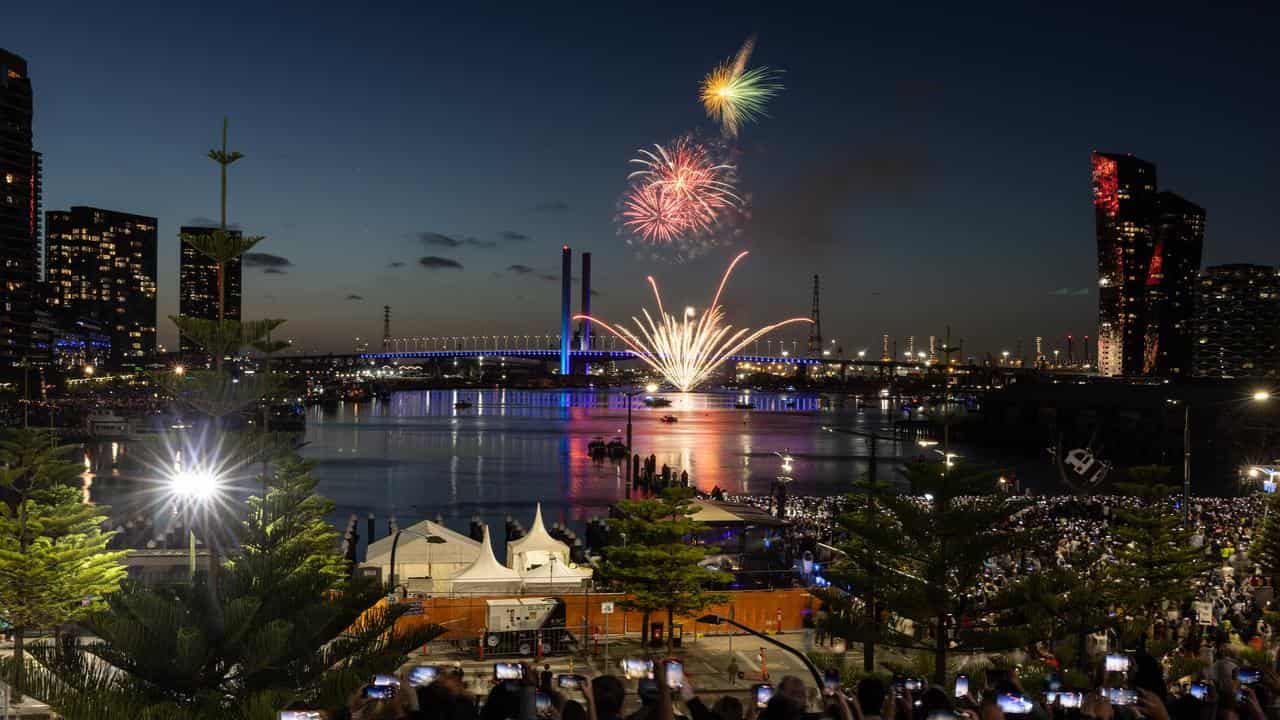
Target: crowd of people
[(1225, 691)]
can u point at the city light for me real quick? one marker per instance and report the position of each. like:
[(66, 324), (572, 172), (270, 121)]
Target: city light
[(651, 388), (1262, 396), (687, 350), (179, 370), (195, 485)]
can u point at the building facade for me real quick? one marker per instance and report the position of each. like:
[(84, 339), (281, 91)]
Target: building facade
[(100, 265), (1149, 251), (1172, 284), (1237, 322), (20, 172), (198, 284)]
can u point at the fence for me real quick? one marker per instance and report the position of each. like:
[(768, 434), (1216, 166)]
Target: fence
[(464, 618)]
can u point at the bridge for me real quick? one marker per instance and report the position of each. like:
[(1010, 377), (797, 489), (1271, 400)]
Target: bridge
[(576, 356)]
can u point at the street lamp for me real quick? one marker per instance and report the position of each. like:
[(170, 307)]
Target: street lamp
[(179, 370), (395, 541), (1258, 396), (192, 487), (804, 659), (649, 388)]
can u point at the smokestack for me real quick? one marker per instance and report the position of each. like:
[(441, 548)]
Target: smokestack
[(566, 300), (586, 309), (586, 300)]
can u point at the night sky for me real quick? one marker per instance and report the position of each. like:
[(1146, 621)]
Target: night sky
[(931, 164)]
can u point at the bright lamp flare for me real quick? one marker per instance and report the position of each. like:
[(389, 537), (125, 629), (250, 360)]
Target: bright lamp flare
[(685, 350), (195, 484), (733, 95)]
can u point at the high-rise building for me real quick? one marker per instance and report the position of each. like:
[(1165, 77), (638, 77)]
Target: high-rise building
[(1124, 200), (198, 284), (1237, 322), (19, 212), (1172, 283), (1149, 249), (885, 355), (101, 265)]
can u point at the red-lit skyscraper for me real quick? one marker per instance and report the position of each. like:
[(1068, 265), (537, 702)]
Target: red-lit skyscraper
[(1149, 249)]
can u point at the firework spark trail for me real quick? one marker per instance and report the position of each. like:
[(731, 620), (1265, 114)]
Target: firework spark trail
[(655, 215), (686, 353), (687, 171), (733, 95)]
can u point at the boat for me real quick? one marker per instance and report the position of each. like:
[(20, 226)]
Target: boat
[(670, 419), (742, 405), (461, 405), (657, 402)]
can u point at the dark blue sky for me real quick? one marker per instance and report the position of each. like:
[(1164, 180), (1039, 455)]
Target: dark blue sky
[(931, 164)]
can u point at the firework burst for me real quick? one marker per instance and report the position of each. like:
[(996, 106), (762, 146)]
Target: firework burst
[(733, 95), (678, 196), (685, 350)]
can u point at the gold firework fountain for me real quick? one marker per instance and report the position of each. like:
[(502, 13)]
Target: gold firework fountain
[(685, 350)]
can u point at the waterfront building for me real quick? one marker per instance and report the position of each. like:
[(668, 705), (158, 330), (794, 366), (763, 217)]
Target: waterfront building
[(198, 284), (1237, 322), (100, 266), (20, 171), (1149, 249)]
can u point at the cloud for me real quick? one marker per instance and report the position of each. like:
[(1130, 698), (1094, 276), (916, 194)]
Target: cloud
[(551, 206), (353, 296), (549, 277), (395, 264), (273, 271), (513, 236), (519, 269), (204, 222), (1082, 291), (435, 262), (265, 260), (435, 239), (1070, 292)]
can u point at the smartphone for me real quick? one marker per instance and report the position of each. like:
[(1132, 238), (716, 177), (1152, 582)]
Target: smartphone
[(675, 673), (763, 693), (385, 680), (912, 684), (508, 671), (830, 681), (1014, 704), (542, 704), (1116, 662), (423, 675), (962, 686), (1065, 699), (300, 715), (1120, 696), (1199, 690), (636, 668), (379, 692), (1248, 676), (569, 682), (1052, 681)]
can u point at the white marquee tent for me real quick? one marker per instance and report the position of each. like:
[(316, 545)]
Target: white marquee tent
[(486, 574), (417, 558)]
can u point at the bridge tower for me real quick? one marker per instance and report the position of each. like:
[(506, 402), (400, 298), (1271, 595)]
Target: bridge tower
[(566, 307), (815, 329)]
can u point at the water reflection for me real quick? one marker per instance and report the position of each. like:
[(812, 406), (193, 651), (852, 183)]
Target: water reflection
[(460, 453)]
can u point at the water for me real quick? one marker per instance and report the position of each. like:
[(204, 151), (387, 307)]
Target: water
[(416, 456)]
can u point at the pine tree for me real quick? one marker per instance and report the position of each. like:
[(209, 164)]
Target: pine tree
[(657, 565), (54, 563), (279, 621), (1156, 565), (855, 614), (926, 555)]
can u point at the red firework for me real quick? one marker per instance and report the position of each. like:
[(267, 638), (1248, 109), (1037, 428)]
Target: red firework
[(679, 192), (654, 215)]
